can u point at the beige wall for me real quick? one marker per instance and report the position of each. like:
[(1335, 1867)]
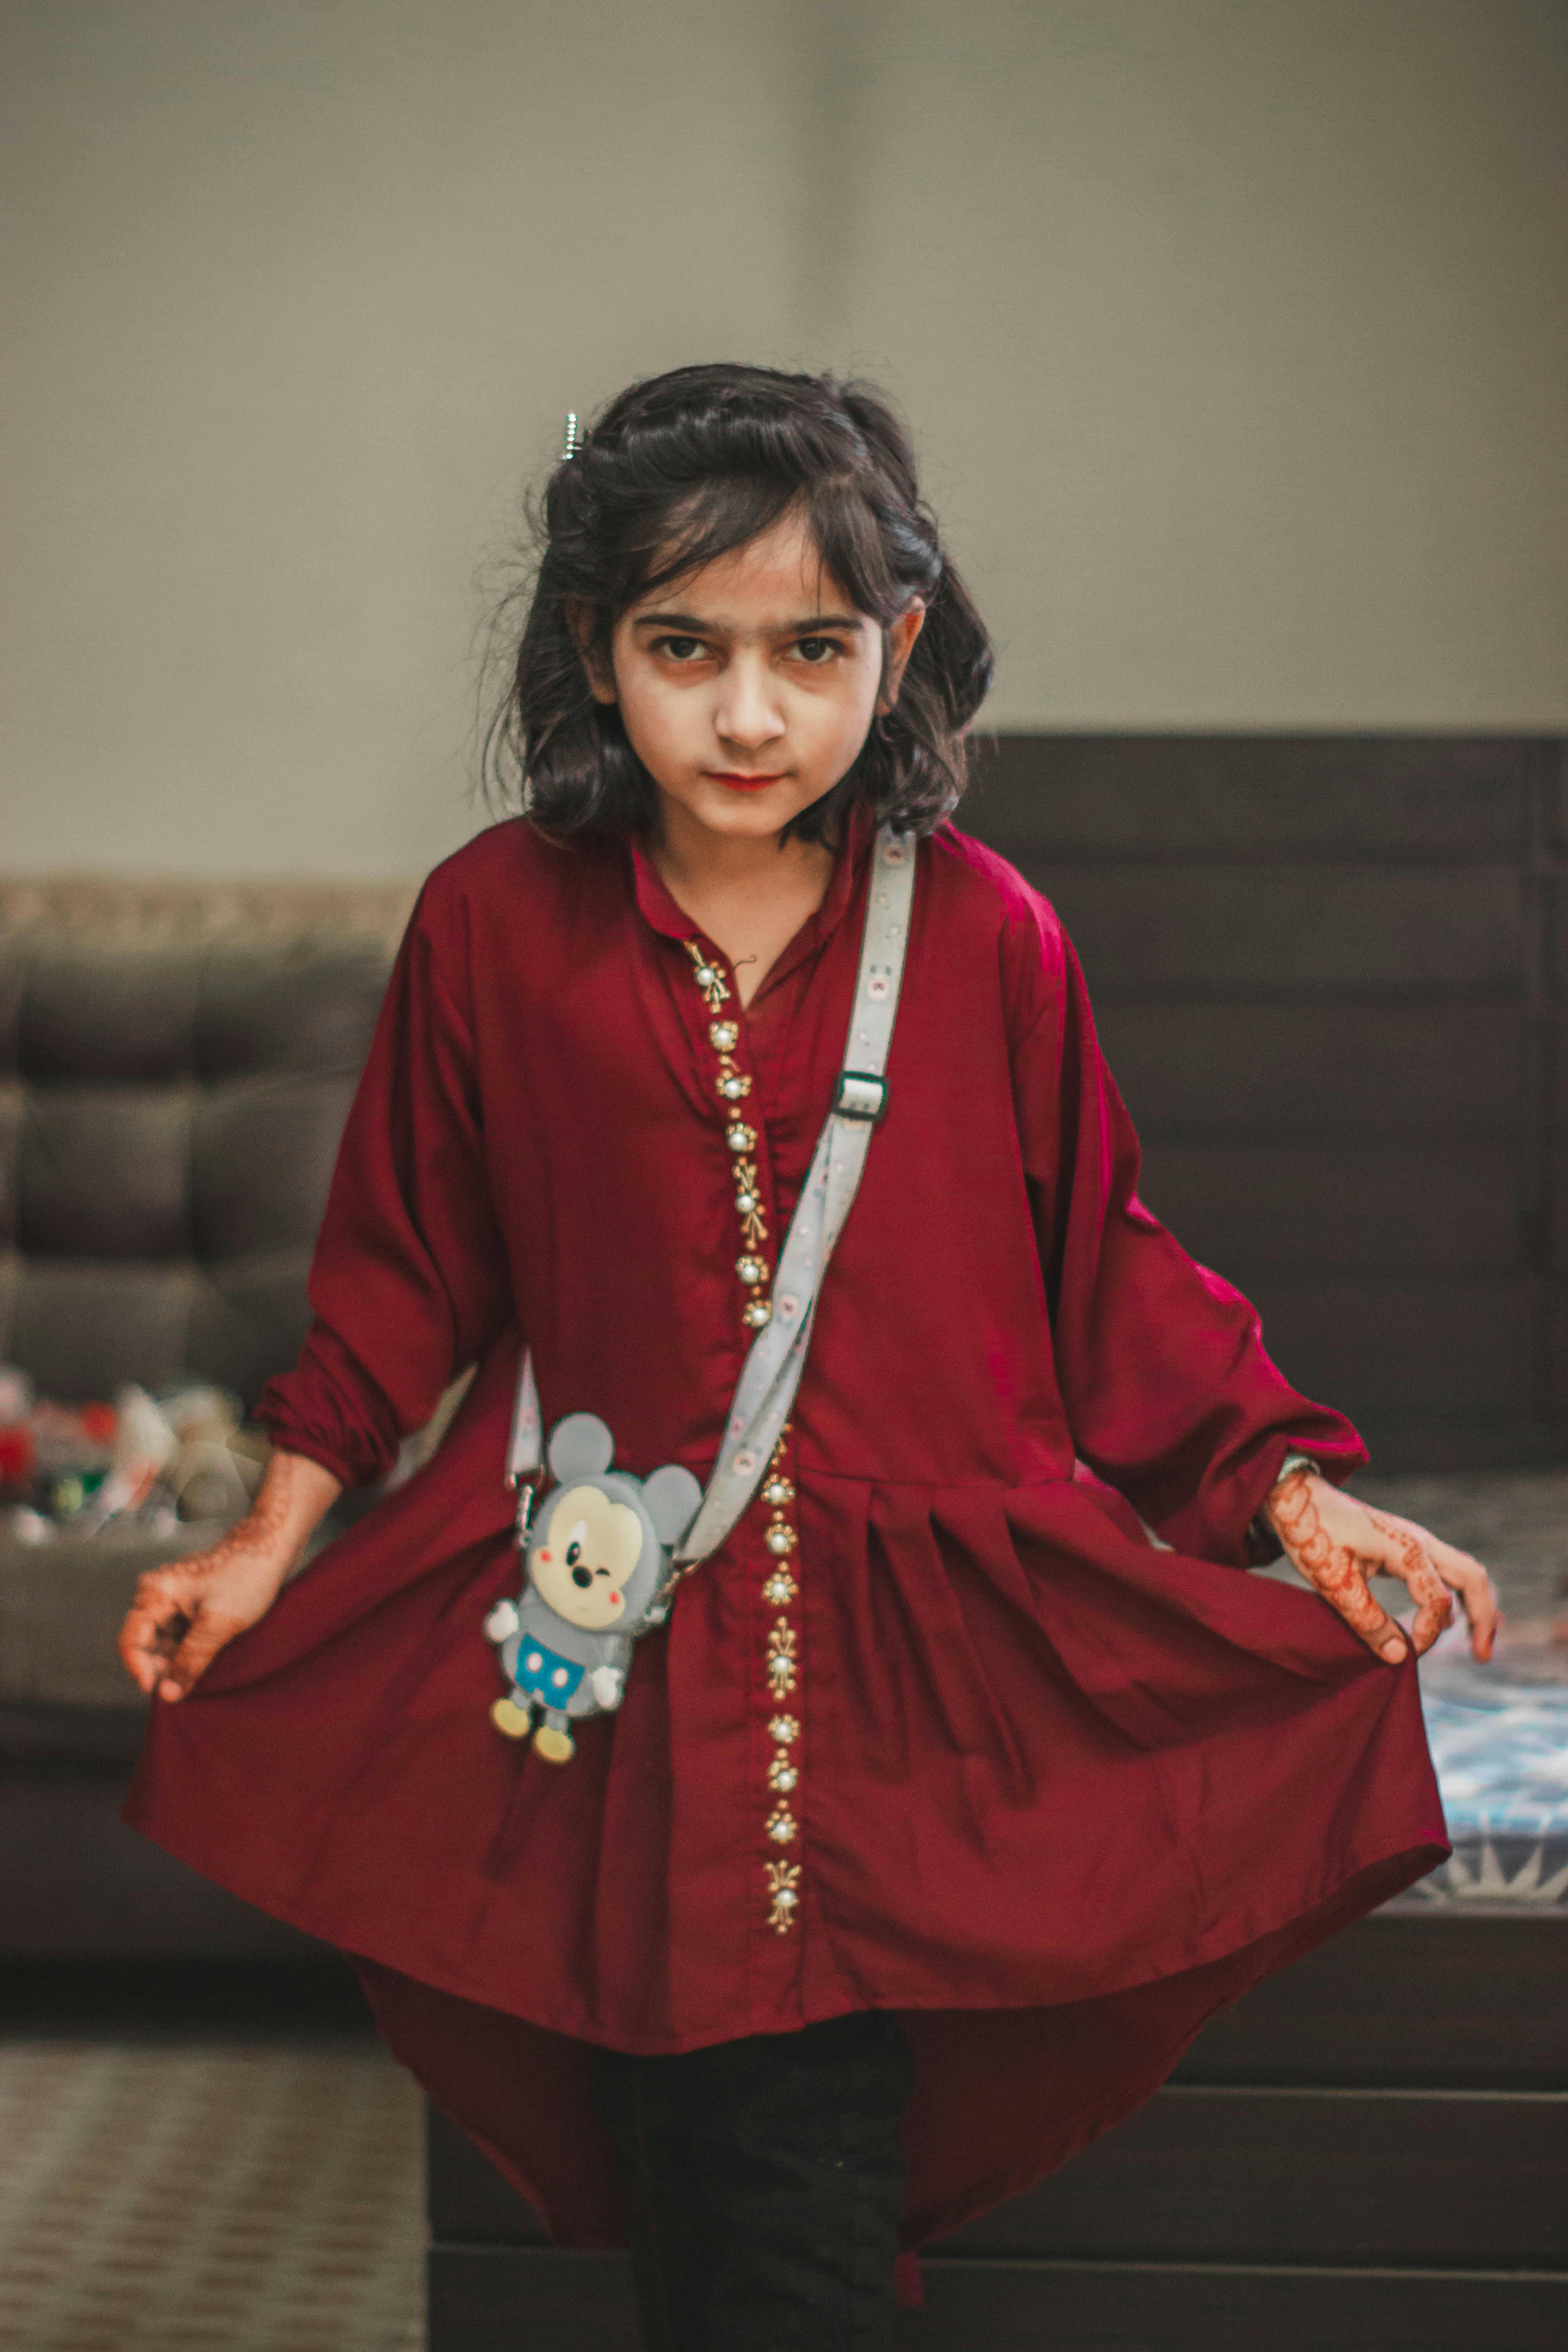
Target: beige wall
[(1235, 333)]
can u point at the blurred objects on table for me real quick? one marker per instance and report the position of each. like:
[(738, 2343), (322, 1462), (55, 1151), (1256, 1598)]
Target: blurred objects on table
[(151, 1462)]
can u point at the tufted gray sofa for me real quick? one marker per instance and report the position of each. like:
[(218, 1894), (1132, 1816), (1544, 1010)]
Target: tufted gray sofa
[(169, 1117)]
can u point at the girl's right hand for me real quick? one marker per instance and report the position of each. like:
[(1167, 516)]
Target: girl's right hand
[(183, 1614)]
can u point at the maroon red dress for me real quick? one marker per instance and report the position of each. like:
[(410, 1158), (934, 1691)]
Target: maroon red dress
[(939, 1731)]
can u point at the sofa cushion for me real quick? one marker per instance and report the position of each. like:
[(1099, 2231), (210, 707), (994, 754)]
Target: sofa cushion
[(82, 1327), (104, 1172), (271, 1009), (169, 1117), (261, 1152), (77, 1012)]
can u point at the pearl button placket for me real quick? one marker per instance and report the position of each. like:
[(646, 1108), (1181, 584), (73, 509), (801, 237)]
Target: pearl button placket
[(780, 1589), (781, 1592)]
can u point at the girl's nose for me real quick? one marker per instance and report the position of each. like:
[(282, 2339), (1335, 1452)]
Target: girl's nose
[(748, 714)]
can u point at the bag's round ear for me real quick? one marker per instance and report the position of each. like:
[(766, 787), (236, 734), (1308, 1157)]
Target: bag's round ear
[(672, 1497), (581, 1446)]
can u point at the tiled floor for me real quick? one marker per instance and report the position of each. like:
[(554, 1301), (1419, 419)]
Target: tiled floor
[(166, 2194)]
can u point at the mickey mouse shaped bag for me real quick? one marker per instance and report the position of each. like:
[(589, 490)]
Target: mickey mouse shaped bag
[(596, 1572)]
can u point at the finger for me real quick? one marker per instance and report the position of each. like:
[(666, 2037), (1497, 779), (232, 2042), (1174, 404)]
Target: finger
[(1345, 1590), (1435, 1611), (149, 1638), (1405, 1556), (137, 1647), (208, 1634), (1469, 1578), (1477, 1593)]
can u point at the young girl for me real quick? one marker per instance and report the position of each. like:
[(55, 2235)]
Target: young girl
[(946, 1805)]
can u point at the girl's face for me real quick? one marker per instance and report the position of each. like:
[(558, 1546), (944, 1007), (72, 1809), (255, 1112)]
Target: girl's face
[(747, 688)]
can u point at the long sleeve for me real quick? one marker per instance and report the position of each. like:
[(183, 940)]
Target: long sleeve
[(1169, 1394), (409, 1280)]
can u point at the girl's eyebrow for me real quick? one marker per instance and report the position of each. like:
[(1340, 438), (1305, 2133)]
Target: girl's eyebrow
[(690, 625)]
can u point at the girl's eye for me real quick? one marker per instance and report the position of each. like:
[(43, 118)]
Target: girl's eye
[(817, 651), (681, 649)]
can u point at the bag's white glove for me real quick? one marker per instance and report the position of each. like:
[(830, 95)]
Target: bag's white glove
[(503, 1621), (607, 1683)]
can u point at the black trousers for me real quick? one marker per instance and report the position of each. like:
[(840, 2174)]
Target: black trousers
[(765, 2178)]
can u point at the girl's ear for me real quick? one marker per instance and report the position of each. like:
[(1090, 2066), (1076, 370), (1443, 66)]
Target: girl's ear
[(900, 644), (601, 676)]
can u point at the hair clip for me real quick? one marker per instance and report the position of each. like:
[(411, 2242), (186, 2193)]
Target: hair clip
[(572, 442)]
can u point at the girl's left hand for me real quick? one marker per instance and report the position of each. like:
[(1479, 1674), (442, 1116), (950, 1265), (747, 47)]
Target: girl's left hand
[(1339, 1543)]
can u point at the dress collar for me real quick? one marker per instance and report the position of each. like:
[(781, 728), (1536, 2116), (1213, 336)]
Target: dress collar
[(659, 910)]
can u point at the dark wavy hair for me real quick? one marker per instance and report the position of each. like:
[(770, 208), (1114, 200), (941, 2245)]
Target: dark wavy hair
[(676, 472)]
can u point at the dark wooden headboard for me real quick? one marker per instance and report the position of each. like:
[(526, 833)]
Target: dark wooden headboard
[(1331, 974)]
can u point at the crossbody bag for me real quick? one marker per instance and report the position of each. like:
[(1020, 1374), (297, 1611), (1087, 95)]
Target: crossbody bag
[(633, 1539)]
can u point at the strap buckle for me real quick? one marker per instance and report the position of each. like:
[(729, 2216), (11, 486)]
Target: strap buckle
[(525, 1486), (859, 1094)]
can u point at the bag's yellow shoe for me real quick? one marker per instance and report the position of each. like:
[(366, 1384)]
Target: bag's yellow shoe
[(514, 1720), (555, 1746)]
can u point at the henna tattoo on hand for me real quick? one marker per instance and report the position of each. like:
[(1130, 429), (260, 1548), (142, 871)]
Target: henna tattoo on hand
[(1435, 1603), (1294, 1511), (184, 1613), (1334, 1569)]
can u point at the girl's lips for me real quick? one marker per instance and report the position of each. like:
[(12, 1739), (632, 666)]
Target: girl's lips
[(739, 783)]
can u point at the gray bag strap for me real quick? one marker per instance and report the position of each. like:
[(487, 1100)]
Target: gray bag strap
[(525, 1448), (771, 1374)]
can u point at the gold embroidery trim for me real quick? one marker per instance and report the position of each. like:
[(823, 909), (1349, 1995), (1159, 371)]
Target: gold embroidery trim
[(780, 1590), (782, 1648), (781, 1586), (732, 1086), (783, 1888)]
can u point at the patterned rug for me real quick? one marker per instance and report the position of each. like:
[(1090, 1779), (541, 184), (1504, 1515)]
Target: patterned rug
[(208, 2197), (1498, 1733)]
